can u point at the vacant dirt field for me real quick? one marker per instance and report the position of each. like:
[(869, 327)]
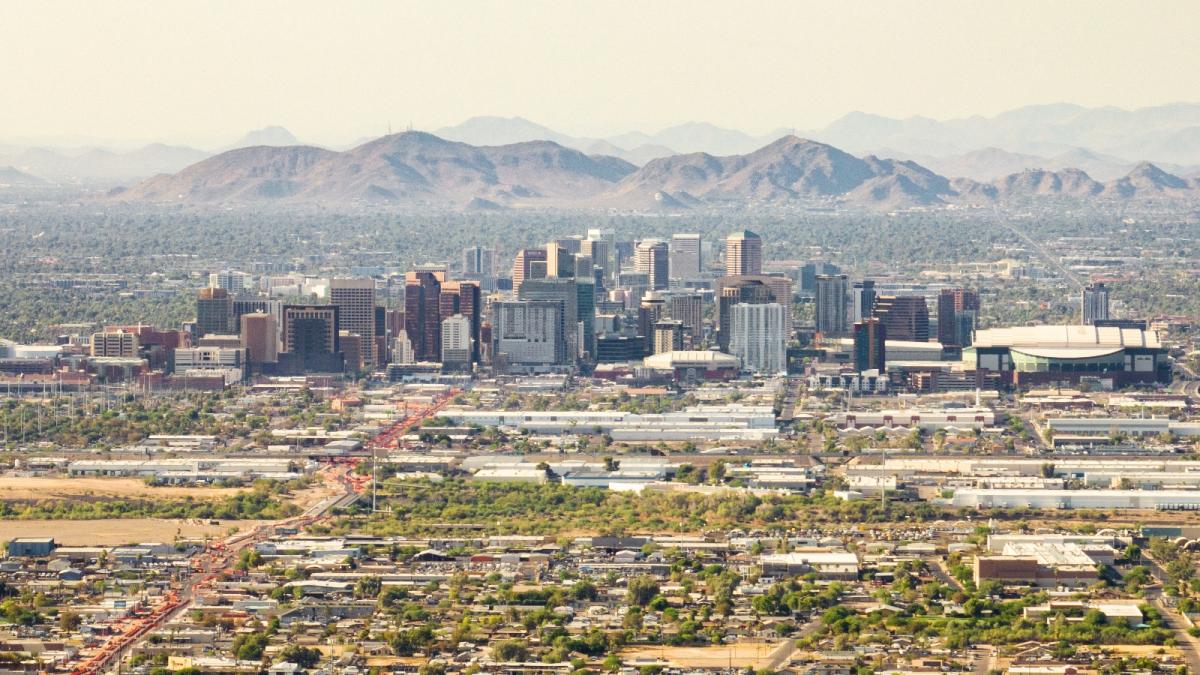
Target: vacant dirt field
[(22, 488), (739, 655), (114, 531)]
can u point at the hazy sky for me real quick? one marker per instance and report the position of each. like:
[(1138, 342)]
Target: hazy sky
[(334, 71)]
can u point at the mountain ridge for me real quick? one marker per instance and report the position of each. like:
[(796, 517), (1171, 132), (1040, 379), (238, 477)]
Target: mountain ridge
[(422, 168)]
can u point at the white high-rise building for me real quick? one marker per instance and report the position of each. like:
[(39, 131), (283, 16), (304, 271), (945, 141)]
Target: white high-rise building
[(529, 332), (1094, 303), (685, 256), (229, 280), (456, 341), (759, 337), (402, 349)]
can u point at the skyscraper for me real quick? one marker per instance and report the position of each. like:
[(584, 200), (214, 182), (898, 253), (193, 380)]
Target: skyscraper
[(870, 336), (525, 257), (906, 317), (214, 311), (355, 300), (457, 343), (480, 263), (758, 337), (1094, 303), (260, 337), (685, 257), (422, 313), (736, 292), (743, 253), (601, 245), (232, 281), (688, 309), (566, 292), (560, 262), (463, 297), (529, 332), (650, 311), (651, 256), (863, 299), (831, 304), (957, 311), (668, 336), (311, 339)]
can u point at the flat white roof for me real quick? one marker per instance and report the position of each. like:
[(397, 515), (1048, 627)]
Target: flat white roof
[(1066, 337)]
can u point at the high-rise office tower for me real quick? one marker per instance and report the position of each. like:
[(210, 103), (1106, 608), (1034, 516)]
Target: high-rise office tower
[(355, 300), (736, 292), (352, 350), (566, 292), (688, 309), (402, 349), (870, 336), (685, 256), (521, 265), (906, 317), (585, 308), (463, 297), (957, 312), (457, 343), (831, 305), (560, 262), (668, 336), (1094, 303), (214, 311), (743, 253), (422, 313), (529, 332), (601, 246), (651, 310), (811, 270), (311, 338), (249, 304), (260, 337), (863, 299), (651, 257), (758, 337), (232, 281), (480, 263)]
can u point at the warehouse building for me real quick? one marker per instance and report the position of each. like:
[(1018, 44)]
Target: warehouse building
[(1163, 500)]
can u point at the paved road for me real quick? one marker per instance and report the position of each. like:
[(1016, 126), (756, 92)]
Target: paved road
[(1189, 645), (938, 568), (233, 546)]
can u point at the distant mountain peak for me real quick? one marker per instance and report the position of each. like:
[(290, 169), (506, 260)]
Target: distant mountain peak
[(274, 136)]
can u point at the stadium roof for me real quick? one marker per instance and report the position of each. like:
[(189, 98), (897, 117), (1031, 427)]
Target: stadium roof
[(707, 358), (1067, 337)]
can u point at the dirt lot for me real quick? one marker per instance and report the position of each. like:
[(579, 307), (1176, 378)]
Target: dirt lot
[(115, 531), (44, 487), (740, 655)]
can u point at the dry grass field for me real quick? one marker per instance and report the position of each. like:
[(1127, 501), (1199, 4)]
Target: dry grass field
[(111, 532), (31, 488), (738, 655)]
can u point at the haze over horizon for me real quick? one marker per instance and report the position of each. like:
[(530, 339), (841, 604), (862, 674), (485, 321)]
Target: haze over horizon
[(90, 74)]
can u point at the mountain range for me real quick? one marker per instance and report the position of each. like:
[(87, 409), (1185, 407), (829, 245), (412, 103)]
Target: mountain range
[(1107, 143), (417, 168)]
